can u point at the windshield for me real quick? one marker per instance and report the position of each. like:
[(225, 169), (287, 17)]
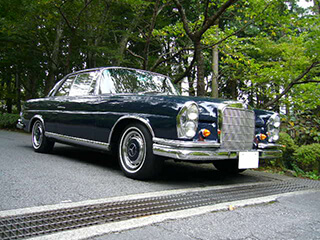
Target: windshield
[(121, 80)]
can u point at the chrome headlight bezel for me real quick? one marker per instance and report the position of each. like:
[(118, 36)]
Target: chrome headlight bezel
[(187, 120), (273, 127)]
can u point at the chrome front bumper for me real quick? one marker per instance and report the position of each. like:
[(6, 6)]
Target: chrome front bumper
[(20, 124), (204, 151)]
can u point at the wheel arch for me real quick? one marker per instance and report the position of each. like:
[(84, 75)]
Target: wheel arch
[(33, 120), (124, 121)]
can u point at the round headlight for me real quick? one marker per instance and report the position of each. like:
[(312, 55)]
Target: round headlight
[(277, 121), (273, 127), (187, 120), (190, 129), (193, 113), (275, 137)]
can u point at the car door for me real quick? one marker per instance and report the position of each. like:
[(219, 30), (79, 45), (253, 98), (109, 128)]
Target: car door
[(77, 110), (54, 103)]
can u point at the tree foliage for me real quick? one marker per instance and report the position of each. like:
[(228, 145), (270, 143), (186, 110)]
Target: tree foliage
[(265, 52)]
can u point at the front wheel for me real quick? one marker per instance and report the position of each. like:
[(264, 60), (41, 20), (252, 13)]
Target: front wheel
[(40, 142), (135, 153), (228, 166)]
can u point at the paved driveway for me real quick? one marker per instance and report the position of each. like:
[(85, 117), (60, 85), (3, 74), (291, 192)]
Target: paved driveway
[(33, 182)]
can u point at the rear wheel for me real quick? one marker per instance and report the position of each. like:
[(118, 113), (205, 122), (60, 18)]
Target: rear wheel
[(135, 153), (228, 166), (40, 142)]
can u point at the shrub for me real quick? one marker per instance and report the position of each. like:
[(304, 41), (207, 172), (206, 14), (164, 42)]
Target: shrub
[(8, 121), (288, 149), (307, 157), (304, 126)]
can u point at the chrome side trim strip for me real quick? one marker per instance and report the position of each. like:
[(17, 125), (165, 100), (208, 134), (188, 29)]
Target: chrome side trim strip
[(71, 112), (186, 144), (123, 114), (79, 141)]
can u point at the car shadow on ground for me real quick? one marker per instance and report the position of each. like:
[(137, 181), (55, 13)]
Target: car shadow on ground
[(174, 173)]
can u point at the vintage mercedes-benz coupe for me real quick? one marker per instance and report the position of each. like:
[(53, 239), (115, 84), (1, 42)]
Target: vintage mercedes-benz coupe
[(141, 118)]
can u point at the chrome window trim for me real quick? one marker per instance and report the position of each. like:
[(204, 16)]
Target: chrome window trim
[(186, 144), (79, 141), (60, 82)]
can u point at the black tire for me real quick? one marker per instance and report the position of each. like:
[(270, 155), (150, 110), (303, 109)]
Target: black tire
[(135, 153), (40, 142), (228, 166)]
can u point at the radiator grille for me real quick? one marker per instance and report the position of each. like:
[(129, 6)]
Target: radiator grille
[(237, 129)]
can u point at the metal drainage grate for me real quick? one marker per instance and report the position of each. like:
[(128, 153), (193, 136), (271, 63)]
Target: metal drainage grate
[(35, 224)]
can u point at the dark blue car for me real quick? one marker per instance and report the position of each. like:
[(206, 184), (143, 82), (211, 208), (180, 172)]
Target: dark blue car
[(141, 117)]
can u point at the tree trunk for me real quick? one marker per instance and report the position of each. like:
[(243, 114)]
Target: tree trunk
[(233, 88), (200, 68), (54, 60), (31, 86), (149, 35), (215, 67), (122, 47), (8, 93), (18, 92), (215, 72)]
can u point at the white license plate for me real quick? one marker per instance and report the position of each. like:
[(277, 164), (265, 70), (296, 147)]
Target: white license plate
[(248, 160)]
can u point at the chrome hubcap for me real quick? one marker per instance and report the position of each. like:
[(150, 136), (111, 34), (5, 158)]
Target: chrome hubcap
[(37, 135), (133, 150)]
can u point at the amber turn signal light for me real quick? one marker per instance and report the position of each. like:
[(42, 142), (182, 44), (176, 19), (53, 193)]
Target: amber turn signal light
[(263, 136), (206, 133)]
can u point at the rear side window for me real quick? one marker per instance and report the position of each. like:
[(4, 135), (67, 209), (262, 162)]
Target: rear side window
[(65, 87), (84, 84)]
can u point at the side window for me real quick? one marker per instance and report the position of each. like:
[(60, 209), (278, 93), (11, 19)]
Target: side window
[(120, 81), (65, 87), (84, 84), (106, 84)]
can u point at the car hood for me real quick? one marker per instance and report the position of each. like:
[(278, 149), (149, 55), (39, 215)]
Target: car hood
[(208, 107)]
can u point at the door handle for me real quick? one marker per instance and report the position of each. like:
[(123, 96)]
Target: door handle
[(61, 107)]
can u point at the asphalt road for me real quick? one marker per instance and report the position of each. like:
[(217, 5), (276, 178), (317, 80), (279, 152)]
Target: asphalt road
[(70, 175), (294, 217)]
